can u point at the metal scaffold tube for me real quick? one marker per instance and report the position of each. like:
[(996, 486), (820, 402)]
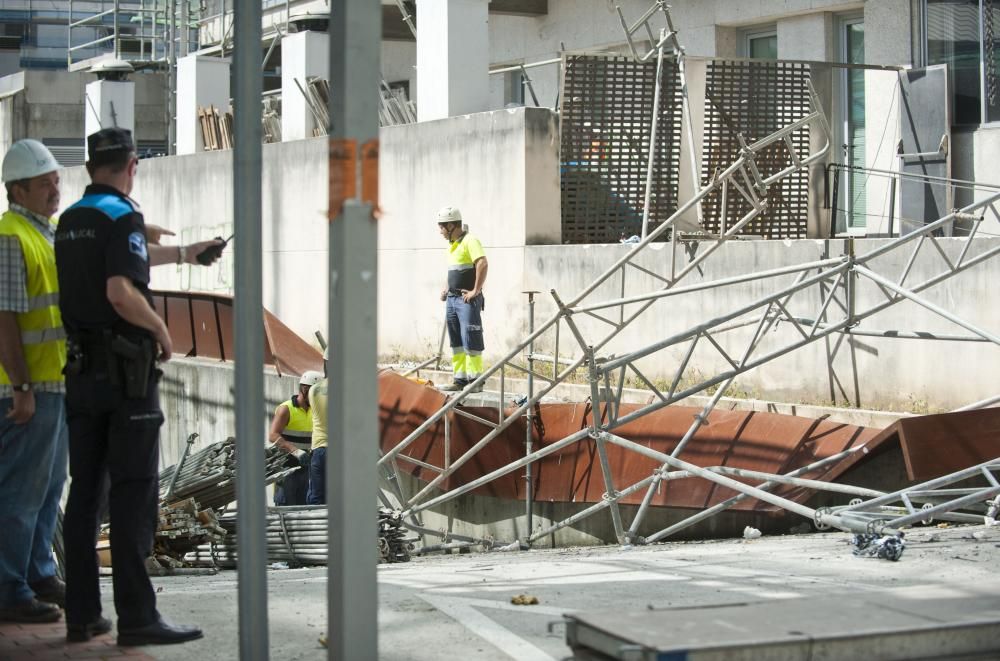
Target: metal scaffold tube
[(248, 312), (352, 411), (774, 321)]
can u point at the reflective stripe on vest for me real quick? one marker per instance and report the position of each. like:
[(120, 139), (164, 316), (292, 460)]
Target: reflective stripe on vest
[(42, 334)]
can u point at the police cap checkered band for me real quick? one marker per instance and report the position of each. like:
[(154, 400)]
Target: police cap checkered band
[(108, 144)]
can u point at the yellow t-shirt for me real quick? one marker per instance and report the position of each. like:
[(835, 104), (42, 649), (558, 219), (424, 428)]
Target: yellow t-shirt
[(317, 405)]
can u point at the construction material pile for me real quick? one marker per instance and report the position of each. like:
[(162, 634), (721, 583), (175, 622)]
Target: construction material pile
[(298, 536), (182, 527), (209, 475), (393, 545)]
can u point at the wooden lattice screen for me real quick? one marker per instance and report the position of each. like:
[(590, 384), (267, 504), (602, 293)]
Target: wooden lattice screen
[(606, 112), (756, 99)]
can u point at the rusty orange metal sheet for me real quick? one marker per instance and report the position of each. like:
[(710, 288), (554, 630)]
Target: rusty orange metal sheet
[(936, 445), (767, 442), (201, 325)]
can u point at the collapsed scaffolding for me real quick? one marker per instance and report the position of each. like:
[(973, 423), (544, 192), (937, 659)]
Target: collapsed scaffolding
[(822, 302)]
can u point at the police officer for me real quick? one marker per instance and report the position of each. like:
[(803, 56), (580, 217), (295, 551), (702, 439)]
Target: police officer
[(112, 399), (463, 297), (291, 431)]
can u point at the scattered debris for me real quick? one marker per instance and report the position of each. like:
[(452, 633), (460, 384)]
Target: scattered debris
[(887, 547), (524, 600), (393, 546), (513, 546), (751, 533)]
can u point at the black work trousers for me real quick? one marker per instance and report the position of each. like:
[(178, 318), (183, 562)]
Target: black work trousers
[(113, 450)]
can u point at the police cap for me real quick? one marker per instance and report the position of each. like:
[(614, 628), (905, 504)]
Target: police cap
[(108, 145)]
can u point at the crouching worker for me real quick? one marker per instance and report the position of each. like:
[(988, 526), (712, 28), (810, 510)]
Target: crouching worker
[(291, 432)]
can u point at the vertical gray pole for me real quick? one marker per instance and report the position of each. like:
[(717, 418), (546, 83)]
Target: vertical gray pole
[(250, 421), (529, 481), (171, 31), (352, 599)]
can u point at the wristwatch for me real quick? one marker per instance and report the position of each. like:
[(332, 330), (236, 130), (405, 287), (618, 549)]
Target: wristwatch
[(181, 254), (24, 387)]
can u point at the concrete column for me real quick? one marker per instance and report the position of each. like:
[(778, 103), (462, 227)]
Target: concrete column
[(452, 58), (807, 37), (303, 54), (109, 104), (201, 82)]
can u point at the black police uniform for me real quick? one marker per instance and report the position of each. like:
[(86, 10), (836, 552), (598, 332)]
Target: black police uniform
[(113, 425)]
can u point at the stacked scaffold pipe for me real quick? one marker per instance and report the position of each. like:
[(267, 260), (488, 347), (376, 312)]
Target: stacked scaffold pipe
[(298, 535), (209, 475)]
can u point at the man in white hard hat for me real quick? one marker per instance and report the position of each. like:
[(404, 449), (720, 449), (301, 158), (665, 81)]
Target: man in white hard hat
[(463, 297), (291, 431), (33, 437)]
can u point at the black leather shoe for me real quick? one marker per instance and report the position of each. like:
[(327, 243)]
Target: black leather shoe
[(31, 612), (50, 589), (160, 632), (81, 633)]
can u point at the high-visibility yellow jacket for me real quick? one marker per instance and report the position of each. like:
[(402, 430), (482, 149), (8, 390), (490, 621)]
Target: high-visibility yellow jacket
[(299, 427), (42, 334)]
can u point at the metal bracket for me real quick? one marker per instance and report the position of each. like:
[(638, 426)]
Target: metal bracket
[(941, 153)]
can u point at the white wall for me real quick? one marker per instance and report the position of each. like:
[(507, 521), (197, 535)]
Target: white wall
[(498, 167), (303, 55), (201, 82), (452, 44)]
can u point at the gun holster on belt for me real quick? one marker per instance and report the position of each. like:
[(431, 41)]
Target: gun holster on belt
[(76, 358), (135, 364)]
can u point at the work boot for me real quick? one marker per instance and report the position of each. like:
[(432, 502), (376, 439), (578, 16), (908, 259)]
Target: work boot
[(51, 590), (81, 633), (30, 612), (477, 388), (159, 632), (455, 386)]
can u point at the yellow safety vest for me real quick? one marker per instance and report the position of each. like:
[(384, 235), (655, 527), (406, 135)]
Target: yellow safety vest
[(299, 427), (42, 334), (462, 256)]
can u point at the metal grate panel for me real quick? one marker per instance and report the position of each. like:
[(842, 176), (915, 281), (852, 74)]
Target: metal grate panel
[(606, 112), (756, 99)]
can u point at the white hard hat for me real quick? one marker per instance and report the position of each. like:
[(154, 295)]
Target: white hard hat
[(27, 159), (310, 378), (449, 215)]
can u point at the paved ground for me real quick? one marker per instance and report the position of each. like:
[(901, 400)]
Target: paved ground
[(459, 606)]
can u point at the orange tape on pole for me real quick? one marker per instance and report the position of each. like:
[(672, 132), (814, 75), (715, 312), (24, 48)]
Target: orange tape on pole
[(369, 175), (343, 157)]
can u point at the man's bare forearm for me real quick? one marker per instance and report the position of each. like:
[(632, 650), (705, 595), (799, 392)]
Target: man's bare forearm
[(11, 349)]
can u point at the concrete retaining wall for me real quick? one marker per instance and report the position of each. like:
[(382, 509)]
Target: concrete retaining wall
[(501, 169)]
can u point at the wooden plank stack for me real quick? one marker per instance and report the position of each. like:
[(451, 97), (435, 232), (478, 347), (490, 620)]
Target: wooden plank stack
[(216, 128)]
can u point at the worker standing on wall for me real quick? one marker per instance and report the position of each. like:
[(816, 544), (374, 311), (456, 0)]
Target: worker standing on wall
[(32, 411), (463, 297), (112, 398), (291, 431)]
